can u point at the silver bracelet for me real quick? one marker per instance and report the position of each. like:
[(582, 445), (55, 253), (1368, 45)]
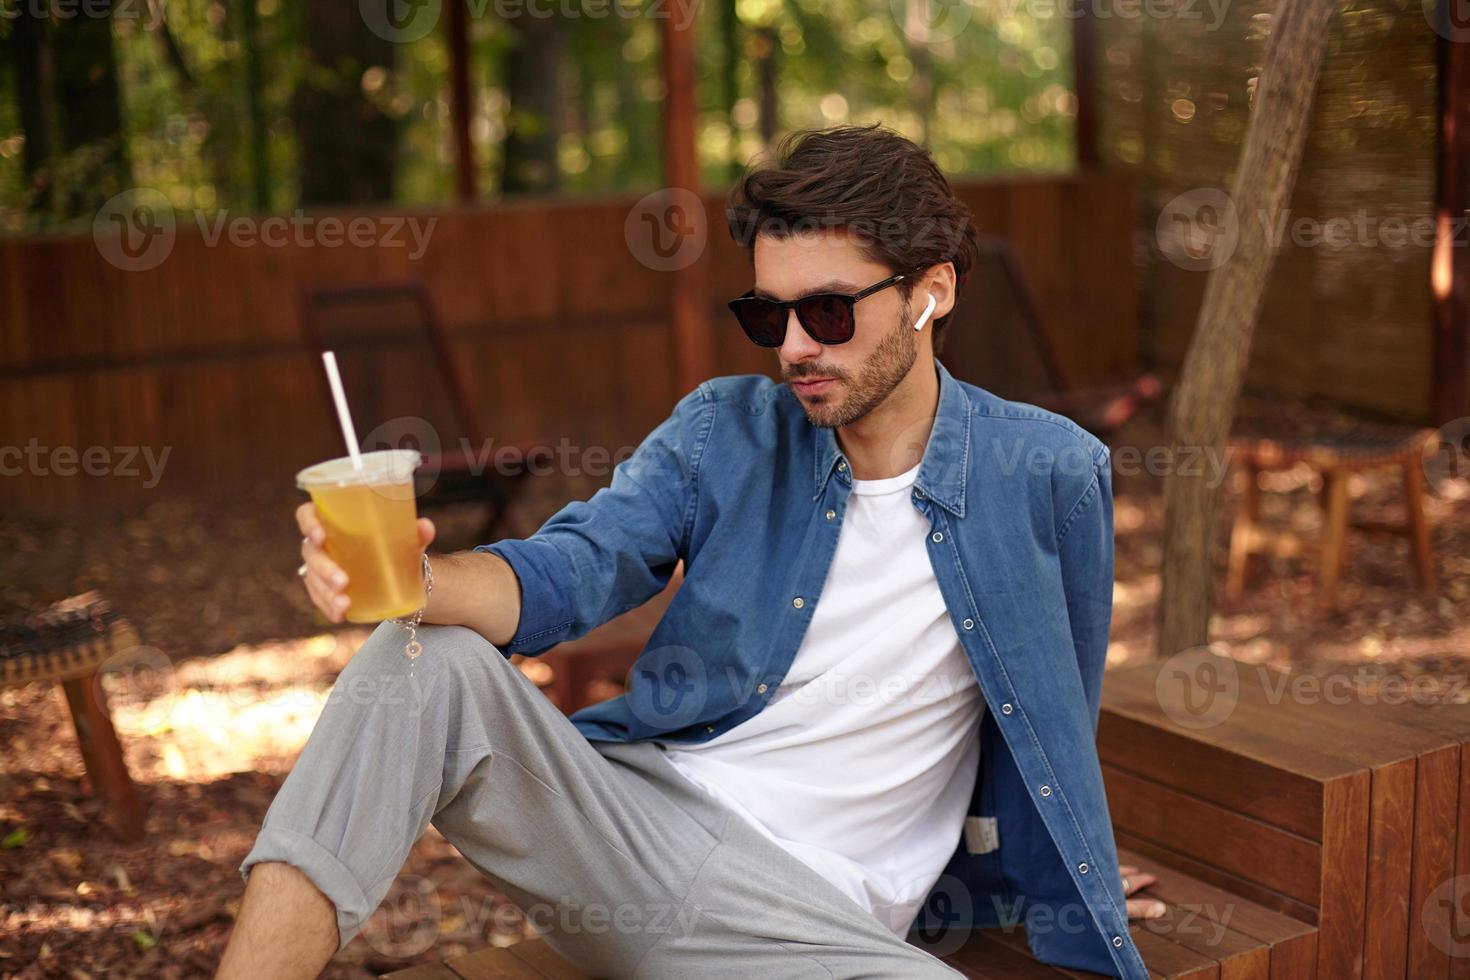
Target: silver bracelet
[(411, 623)]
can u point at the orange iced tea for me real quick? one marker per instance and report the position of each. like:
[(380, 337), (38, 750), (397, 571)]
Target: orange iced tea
[(369, 519)]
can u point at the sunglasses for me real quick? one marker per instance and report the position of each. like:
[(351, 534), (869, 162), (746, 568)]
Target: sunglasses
[(827, 317)]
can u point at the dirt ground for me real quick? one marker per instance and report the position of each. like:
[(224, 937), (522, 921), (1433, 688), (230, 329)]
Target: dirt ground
[(211, 587)]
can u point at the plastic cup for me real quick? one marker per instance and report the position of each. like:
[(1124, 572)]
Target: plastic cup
[(370, 518)]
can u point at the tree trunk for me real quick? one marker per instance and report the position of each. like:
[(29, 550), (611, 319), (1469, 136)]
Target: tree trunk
[(766, 46), (88, 113), (347, 144), (30, 53), (533, 90), (730, 80), (254, 83), (1203, 404)]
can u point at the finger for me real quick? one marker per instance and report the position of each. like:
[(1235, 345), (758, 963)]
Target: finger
[(426, 532), (1139, 881), (320, 564), (1127, 869), (1145, 908), (323, 598), (309, 523)]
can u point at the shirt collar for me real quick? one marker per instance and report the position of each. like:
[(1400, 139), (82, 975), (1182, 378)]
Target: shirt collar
[(946, 461)]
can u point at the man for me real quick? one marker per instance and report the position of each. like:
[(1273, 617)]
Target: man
[(869, 712)]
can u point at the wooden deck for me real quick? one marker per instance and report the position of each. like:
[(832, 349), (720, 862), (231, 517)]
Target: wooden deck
[(1297, 832)]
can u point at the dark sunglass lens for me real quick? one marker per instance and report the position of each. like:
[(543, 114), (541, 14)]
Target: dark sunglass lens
[(764, 322), (828, 318)]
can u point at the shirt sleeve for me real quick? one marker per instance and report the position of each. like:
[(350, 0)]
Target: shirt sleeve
[(600, 557), (1085, 544)]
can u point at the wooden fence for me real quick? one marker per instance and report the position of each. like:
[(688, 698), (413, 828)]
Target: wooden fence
[(558, 328)]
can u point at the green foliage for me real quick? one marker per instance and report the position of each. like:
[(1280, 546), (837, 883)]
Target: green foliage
[(994, 97)]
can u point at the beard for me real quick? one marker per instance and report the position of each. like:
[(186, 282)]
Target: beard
[(891, 361)]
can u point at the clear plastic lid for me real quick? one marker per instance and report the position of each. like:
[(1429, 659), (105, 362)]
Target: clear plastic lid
[(381, 466)]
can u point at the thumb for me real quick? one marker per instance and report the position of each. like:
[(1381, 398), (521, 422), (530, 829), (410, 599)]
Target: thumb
[(426, 532)]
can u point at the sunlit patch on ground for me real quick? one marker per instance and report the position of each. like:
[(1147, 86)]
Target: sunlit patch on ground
[(209, 742)]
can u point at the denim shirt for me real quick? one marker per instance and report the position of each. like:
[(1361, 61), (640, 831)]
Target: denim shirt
[(738, 485)]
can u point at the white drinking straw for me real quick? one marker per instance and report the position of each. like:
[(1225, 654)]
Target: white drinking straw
[(343, 415)]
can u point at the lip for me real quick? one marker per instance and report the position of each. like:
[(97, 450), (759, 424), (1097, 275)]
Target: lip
[(812, 386)]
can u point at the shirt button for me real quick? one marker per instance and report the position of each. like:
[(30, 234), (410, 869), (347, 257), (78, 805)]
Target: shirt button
[(831, 515), (761, 689), (709, 728), (1082, 868), (968, 624), (842, 465), (798, 602), (1117, 942), (936, 537), (1045, 791), (919, 493), (1006, 708)]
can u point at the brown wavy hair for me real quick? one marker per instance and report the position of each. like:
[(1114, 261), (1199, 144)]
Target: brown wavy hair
[(880, 186)]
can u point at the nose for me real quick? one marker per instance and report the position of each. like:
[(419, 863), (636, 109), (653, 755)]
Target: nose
[(798, 344)]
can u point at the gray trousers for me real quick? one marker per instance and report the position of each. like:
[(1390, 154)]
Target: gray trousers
[(626, 867)]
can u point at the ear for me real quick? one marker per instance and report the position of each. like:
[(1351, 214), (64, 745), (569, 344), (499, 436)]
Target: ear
[(928, 312)]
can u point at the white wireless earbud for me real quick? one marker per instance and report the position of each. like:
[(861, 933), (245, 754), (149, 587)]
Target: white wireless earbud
[(924, 317)]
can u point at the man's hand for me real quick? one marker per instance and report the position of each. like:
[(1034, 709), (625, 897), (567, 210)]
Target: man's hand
[(325, 580), (1135, 881)]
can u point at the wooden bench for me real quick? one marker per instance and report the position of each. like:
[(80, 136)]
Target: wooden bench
[(69, 643), (1295, 834)]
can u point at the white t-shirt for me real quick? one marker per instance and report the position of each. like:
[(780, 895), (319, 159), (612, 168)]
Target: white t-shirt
[(863, 761)]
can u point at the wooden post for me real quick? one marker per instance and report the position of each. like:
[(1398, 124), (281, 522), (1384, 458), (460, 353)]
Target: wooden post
[(1450, 266), (459, 101), (689, 292), (102, 753)]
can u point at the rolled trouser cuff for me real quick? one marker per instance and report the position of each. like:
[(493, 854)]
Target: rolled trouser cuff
[(331, 877)]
